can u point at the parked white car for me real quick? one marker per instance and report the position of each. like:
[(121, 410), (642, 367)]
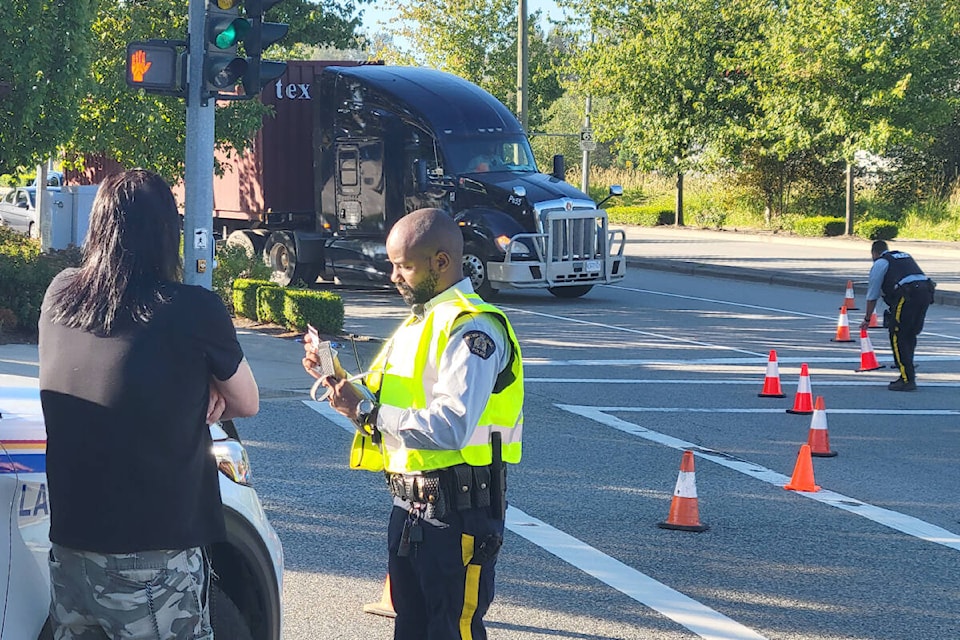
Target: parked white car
[(18, 210), (246, 597)]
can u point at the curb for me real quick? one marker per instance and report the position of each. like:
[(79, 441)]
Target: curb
[(802, 281)]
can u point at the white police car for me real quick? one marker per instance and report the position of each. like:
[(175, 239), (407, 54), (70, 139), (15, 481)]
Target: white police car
[(245, 600)]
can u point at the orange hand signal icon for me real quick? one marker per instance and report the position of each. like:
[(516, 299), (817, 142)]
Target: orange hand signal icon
[(139, 65)]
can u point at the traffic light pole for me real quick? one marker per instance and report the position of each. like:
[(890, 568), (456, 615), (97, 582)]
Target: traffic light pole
[(198, 242)]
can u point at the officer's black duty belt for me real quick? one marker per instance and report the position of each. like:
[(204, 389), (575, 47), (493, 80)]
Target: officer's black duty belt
[(461, 487)]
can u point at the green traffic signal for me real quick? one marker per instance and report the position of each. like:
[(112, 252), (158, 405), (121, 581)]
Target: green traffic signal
[(233, 33)]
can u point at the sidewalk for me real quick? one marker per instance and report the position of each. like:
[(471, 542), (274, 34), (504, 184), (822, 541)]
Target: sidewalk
[(812, 263)]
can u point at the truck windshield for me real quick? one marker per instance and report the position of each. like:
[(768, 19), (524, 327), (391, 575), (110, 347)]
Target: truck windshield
[(483, 154)]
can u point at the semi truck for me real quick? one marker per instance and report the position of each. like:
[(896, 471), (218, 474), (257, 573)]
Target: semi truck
[(352, 147)]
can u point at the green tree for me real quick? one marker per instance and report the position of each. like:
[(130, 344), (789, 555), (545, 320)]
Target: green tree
[(44, 53), (476, 41), (838, 77), (666, 66), (851, 75)]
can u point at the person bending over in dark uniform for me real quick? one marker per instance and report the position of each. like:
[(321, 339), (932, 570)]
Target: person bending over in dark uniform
[(908, 293), (445, 412)]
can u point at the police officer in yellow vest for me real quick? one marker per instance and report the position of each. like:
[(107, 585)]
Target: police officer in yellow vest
[(444, 415)]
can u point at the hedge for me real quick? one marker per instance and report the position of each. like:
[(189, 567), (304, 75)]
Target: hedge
[(245, 296), (322, 309), (25, 274), (876, 229), (270, 304), (649, 215), (819, 226)]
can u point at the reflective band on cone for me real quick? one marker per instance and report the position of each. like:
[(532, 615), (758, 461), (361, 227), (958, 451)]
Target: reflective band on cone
[(849, 302), (385, 606), (802, 479), (803, 401), (868, 359), (843, 328), (771, 383), (817, 437), (684, 511)]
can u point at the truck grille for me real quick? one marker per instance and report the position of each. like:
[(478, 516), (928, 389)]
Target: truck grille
[(573, 238)]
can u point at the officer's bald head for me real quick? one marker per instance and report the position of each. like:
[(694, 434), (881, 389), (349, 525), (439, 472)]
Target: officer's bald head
[(424, 232), (426, 249)]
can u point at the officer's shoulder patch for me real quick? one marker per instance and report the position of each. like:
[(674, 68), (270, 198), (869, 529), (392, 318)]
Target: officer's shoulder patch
[(479, 343)]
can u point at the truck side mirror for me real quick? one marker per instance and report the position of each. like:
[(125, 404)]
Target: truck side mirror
[(559, 168), (420, 171), (615, 190)]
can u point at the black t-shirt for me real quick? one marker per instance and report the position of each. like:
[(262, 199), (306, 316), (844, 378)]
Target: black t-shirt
[(129, 460)]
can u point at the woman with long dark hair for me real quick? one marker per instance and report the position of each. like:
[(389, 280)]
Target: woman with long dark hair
[(134, 365)]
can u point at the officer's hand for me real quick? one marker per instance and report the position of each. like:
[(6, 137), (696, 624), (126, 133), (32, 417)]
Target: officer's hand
[(312, 364), (865, 324), (343, 396)]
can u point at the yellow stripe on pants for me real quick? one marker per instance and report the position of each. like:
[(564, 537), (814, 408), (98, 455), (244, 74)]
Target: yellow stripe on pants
[(471, 587), (895, 343)]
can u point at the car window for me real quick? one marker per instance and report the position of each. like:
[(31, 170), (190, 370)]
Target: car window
[(23, 196), (9, 198)]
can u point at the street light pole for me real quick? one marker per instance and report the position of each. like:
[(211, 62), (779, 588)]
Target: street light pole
[(522, 74)]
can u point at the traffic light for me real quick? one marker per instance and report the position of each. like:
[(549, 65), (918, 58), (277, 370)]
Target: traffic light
[(225, 65), (262, 34), (223, 30)]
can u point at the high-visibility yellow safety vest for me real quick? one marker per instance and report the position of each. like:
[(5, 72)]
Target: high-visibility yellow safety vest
[(398, 377)]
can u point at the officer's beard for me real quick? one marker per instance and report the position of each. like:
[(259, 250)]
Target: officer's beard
[(420, 293)]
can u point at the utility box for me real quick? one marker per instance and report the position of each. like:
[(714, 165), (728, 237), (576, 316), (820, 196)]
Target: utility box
[(65, 221)]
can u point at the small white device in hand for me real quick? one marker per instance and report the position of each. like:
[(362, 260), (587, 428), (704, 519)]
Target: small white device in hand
[(324, 353)]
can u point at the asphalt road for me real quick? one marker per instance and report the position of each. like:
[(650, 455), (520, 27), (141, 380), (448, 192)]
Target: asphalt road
[(619, 384)]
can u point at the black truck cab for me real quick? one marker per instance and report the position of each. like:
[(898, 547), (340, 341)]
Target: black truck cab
[(390, 140)]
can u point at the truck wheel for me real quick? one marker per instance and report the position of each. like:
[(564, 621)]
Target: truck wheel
[(280, 254), (225, 617), (251, 241), (475, 268), (570, 292)]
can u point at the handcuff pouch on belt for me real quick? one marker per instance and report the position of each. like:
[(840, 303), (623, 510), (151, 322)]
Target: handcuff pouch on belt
[(456, 488)]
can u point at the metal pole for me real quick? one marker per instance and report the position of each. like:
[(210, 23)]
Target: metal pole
[(585, 167), (522, 75), (849, 219), (198, 160)]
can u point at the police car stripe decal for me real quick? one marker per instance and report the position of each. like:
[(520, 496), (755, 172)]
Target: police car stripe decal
[(24, 463)]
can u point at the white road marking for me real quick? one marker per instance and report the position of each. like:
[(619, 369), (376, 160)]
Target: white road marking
[(759, 383), (698, 618), (853, 361), (898, 521), (750, 306), (660, 336)]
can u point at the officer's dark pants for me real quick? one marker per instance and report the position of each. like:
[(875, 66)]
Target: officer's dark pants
[(442, 589), (907, 316)]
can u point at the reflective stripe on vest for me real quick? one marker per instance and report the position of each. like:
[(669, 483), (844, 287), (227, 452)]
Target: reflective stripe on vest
[(406, 356)]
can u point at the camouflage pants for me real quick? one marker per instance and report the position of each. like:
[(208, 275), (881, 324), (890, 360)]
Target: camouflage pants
[(148, 595)]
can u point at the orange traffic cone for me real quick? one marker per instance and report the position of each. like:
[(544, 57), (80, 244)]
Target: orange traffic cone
[(843, 328), (385, 606), (802, 479), (874, 323), (849, 302), (868, 359), (817, 437), (684, 512), (803, 401), (771, 382)]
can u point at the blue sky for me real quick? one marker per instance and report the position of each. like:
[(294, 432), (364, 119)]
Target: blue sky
[(374, 14)]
